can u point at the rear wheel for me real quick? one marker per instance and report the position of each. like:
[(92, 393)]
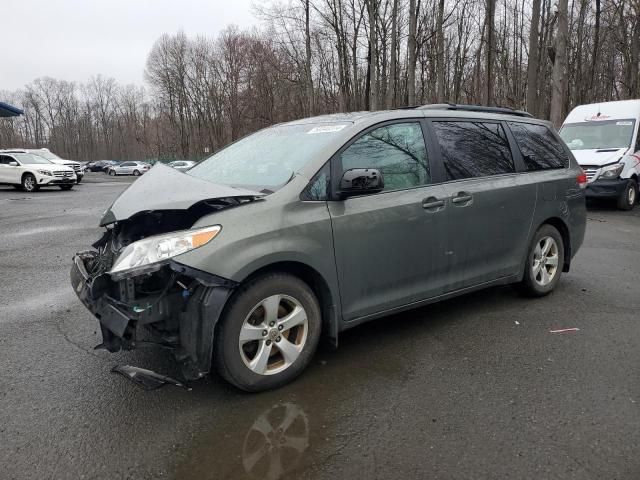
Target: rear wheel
[(629, 196), (29, 183), (136, 173), (268, 334), (544, 262)]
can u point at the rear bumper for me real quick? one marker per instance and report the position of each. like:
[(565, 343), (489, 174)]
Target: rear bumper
[(606, 188), (180, 319)]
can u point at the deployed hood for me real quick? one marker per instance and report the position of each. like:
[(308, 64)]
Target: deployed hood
[(598, 157), (165, 188)]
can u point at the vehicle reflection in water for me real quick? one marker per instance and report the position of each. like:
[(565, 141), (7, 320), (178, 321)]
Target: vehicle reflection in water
[(271, 445), (276, 441)]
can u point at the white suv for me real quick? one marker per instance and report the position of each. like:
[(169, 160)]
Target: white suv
[(30, 172), (53, 158)]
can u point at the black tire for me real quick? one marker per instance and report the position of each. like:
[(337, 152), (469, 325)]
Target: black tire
[(66, 187), (227, 356), (136, 173), (629, 196), (112, 173), (79, 179), (531, 282), (29, 183)]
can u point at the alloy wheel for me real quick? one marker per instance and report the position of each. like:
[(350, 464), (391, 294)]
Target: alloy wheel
[(631, 195), (545, 261), (29, 184), (273, 334)]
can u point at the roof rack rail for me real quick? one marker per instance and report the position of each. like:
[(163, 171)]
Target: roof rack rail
[(475, 108)]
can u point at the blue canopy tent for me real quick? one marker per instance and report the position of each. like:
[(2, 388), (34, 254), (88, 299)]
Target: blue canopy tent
[(7, 110)]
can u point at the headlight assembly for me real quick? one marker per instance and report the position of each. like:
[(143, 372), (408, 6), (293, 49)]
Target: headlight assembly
[(611, 171), (147, 255), (45, 172)]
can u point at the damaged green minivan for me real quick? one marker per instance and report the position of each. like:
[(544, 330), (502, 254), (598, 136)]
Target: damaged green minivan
[(307, 228)]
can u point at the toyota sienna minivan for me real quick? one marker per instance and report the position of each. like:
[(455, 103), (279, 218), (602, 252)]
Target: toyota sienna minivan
[(307, 228)]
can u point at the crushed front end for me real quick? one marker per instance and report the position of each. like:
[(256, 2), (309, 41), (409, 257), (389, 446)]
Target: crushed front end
[(167, 304)]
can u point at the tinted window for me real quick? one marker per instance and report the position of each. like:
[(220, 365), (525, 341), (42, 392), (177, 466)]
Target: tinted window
[(473, 149), (397, 150), (318, 188), (539, 147), (127, 164)]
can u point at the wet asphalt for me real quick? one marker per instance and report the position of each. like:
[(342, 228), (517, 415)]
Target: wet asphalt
[(472, 388)]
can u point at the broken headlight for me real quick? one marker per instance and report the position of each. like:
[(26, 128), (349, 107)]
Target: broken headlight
[(149, 254)]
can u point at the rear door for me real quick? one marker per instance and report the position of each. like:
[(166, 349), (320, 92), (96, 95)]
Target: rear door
[(389, 247), (491, 200)]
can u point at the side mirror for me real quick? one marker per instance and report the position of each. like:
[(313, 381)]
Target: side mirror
[(13, 164), (361, 181)]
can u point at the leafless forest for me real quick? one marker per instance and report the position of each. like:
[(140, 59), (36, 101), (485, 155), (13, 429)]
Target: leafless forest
[(312, 57)]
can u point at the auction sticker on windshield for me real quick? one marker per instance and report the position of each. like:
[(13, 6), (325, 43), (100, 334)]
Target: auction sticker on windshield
[(326, 129)]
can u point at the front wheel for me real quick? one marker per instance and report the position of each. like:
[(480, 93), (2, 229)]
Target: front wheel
[(112, 173), (29, 183), (628, 197), (544, 262), (268, 334)]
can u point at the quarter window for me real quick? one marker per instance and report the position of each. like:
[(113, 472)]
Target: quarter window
[(473, 149), (539, 147), (397, 150)]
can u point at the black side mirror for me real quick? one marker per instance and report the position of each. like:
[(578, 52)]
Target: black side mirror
[(361, 181)]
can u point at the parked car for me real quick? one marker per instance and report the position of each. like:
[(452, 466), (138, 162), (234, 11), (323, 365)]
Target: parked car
[(604, 139), (53, 158), (30, 172), (128, 168), (98, 166), (314, 226), (181, 165)]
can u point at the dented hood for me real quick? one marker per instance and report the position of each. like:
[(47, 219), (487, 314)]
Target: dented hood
[(164, 188)]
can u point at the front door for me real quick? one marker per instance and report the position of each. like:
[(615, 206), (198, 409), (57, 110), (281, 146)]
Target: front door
[(490, 203), (390, 246), (9, 173)]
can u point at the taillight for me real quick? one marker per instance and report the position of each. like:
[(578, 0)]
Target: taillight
[(582, 180)]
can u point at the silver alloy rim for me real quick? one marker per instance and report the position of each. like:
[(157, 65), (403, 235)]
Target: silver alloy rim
[(273, 334), (631, 196), (28, 183), (545, 261)]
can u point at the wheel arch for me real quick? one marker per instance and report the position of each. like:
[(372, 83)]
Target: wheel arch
[(561, 226), (319, 286)]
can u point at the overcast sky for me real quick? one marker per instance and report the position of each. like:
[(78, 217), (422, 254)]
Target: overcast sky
[(75, 39)]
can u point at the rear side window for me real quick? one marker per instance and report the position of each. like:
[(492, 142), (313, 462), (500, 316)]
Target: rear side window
[(539, 147), (397, 150), (473, 149)]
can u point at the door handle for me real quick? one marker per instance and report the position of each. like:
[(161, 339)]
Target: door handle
[(432, 204), (462, 199)]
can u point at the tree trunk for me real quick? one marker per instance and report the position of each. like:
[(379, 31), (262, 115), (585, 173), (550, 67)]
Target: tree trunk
[(558, 77), (490, 41), (373, 55), (596, 47), (440, 54), (393, 68), (307, 65), (411, 62), (533, 64)]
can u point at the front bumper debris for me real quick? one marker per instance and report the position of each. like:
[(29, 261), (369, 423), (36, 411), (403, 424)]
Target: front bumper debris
[(180, 316)]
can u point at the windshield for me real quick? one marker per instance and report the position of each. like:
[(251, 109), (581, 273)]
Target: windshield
[(598, 134), (268, 158), (30, 159), (47, 155)]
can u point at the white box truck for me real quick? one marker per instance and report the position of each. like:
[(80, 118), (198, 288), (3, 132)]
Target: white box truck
[(604, 139)]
